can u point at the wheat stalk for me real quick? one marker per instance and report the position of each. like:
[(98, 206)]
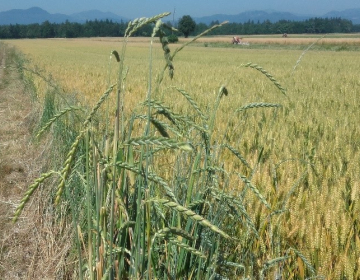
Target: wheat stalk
[(254, 189), (305, 260), (267, 74), (161, 109), (197, 37), (196, 203), (29, 192), (304, 52), (56, 117), (237, 154), (67, 164), (295, 185), (71, 155), (159, 141), (257, 105), (234, 204), (173, 117), (187, 248), (169, 231), (271, 263), (161, 126), (165, 44), (97, 105), (192, 215), (137, 23), (151, 176), (166, 233), (192, 102)]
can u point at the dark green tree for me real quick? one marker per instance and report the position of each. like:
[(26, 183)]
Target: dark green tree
[(33, 31), (186, 25), (47, 30)]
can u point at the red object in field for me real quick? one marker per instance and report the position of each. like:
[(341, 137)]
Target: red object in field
[(236, 40)]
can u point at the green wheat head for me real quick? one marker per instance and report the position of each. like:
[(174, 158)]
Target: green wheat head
[(192, 215), (56, 117), (136, 24), (267, 74), (31, 189)]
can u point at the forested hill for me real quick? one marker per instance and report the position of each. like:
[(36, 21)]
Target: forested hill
[(108, 28)]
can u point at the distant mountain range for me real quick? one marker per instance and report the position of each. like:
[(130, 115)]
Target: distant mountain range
[(274, 16), (255, 16), (38, 15), (351, 14)]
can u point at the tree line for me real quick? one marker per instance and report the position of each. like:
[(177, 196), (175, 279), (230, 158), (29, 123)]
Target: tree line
[(108, 28)]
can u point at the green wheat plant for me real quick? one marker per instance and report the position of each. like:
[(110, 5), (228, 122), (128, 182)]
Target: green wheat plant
[(147, 193)]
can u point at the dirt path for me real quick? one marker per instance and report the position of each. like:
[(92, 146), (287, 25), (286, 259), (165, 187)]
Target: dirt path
[(20, 164)]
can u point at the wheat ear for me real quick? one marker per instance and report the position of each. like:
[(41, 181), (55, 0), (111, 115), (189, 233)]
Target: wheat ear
[(159, 141), (161, 126), (267, 74), (137, 23), (197, 37), (254, 189), (54, 118), (66, 169), (192, 215), (257, 105), (192, 102), (303, 53), (29, 192), (150, 176), (70, 156), (165, 45), (305, 260), (187, 248), (238, 155)]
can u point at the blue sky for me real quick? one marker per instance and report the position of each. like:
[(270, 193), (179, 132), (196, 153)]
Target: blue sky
[(194, 8)]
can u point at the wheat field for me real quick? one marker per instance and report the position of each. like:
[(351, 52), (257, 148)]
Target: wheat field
[(304, 153)]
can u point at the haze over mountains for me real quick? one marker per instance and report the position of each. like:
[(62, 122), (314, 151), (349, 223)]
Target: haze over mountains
[(38, 15)]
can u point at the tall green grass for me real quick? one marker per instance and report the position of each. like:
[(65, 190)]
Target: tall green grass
[(147, 194)]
